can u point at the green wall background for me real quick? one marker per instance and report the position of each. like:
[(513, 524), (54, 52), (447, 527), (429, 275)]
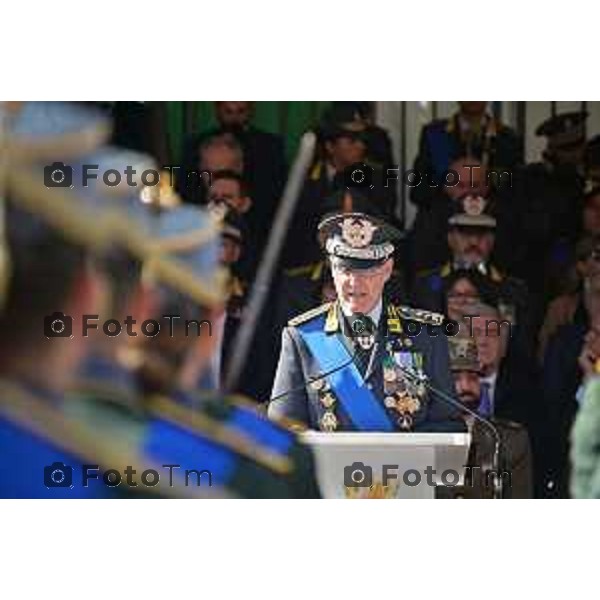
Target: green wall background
[(290, 119)]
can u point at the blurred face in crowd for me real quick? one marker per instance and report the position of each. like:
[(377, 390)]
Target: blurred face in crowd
[(468, 388), (472, 109), (491, 340), (359, 290), (229, 192), (471, 245), (591, 215), (233, 114), (345, 151), (460, 295), (221, 157), (472, 181), (230, 250)]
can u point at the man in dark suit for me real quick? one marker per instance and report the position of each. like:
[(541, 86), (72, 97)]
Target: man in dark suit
[(356, 363), (472, 131), (549, 194)]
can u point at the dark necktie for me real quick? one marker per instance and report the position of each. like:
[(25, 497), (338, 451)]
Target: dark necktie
[(485, 403), (363, 346)]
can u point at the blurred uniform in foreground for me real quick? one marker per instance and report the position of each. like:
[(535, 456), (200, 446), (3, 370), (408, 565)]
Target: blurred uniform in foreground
[(106, 421), (229, 448), (50, 245)]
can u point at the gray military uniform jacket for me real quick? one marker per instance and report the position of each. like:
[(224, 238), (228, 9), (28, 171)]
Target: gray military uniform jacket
[(293, 398)]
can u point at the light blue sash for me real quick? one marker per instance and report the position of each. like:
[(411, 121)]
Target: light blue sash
[(359, 403)]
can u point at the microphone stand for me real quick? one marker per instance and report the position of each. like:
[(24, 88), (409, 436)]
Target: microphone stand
[(424, 380), (315, 378)]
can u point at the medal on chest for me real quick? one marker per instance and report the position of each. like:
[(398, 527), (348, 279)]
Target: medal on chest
[(328, 421), (402, 395)]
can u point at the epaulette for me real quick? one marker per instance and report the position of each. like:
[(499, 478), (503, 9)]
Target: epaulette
[(292, 425), (422, 273), (242, 401), (300, 271), (315, 172), (420, 315), (235, 399), (308, 315), (200, 424), (442, 271), (284, 422), (445, 270)]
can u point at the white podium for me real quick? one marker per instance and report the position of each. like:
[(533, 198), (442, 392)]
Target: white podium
[(387, 465)]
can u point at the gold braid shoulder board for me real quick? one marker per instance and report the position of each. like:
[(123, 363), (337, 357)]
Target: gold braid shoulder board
[(198, 423), (260, 409), (310, 314), (48, 423)]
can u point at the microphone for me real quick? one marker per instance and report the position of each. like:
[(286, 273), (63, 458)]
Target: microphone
[(421, 378)]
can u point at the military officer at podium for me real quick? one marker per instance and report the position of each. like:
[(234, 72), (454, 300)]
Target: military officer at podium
[(361, 362)]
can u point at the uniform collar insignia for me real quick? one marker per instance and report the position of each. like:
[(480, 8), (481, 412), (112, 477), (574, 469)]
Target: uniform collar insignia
[(332, 323)]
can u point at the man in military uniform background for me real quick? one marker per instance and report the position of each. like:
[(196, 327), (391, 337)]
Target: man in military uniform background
[(548, 194), (52, 244), (343, 142), (471, 237), (379, 145), (357, 363), (108, 423), (472, 131)]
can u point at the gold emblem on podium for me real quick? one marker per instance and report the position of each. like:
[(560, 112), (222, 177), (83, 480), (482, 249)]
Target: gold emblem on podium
[(373, 492)]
